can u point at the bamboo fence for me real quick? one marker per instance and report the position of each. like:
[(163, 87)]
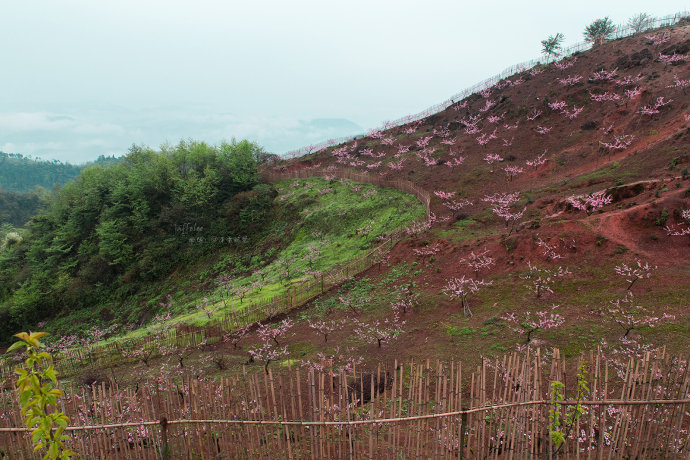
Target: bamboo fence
[(109, 354), (501, 409), (621, 31)]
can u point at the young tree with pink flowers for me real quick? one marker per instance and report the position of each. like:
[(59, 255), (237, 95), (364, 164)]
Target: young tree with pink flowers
[(336, 362), (654, 109), (565, 64), (629, 316), (590, 203), (143, 354), (557, 105), (528, 323), (463, 288), (533, 115), (632, 273), (405, 299), (512, 171), (501, 203), (604, 97), (267, 352), (492, 158), (548, 250), (538, 161), (682, 230), (325, 328), (270, 349), (426, 251), (621, 142), (241, 292), (268, 333), (572, 114), (235, 336), (570, 80), (457, 205), (542, 278), (444, 195), (379, 331), (478, 262)]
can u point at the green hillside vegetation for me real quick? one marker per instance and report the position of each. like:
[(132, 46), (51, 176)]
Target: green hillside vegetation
[(119, 242), (116, 228), (21, 174), (18, 208), (25, 184), (321, 224)]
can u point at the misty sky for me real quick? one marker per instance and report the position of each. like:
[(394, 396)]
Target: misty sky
[(84, 78)]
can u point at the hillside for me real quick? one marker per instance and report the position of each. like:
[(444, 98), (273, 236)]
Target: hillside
[(614, 119), (558, 218), (188, 233), (505, 278)]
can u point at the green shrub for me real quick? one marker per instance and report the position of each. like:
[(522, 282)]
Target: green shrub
[(661, 221)]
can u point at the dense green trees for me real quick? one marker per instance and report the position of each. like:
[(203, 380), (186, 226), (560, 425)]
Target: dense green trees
[(26, 183), (21, 174), (115, 228), (17, 208)]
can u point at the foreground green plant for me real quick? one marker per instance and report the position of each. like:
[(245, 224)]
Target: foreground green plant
[(560, 428), (38, 398)]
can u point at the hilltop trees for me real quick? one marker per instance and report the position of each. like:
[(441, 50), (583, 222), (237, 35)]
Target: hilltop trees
[(640, 22), (552, 45), (599, 30)]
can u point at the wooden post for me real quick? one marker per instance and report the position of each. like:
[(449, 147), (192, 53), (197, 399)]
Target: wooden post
[(165, 452), (463, 425)]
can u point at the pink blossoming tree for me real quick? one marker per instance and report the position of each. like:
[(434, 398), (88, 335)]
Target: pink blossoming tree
[(462, 288), (379, 331), (591, 202), (325, 328), (501, 204), (542, 278), (478, 262), (528, 323), (632, 273), (629, 316), (267, 352)]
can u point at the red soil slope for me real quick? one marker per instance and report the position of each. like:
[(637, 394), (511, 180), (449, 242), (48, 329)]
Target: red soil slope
[(647, 179)]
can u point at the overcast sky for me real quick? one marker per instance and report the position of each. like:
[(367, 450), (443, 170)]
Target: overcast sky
[(81, 78)]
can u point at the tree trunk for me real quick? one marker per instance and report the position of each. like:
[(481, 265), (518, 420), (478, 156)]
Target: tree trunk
[(466, 308)]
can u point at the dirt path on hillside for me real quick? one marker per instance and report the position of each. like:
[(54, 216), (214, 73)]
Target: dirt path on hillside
[(612, 226)]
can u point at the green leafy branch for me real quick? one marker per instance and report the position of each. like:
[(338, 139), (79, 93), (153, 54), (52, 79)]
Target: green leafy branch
[(37, 395), (560, 427)]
